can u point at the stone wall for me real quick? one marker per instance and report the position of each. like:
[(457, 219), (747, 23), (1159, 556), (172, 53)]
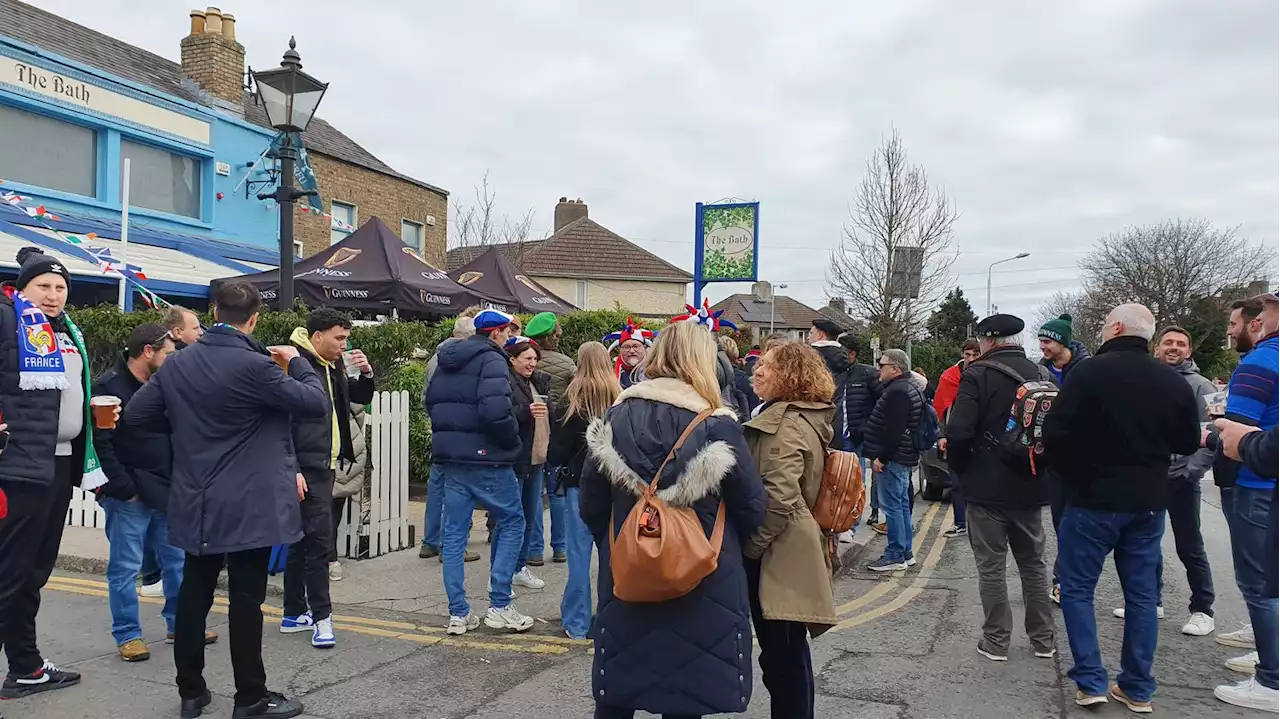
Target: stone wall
[(374, 194)]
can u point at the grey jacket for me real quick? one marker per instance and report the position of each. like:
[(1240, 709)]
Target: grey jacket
[(432, 364), (1194, 466)]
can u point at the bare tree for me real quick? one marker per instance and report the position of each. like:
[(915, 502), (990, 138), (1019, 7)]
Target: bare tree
[(481, 223), (895, 209)]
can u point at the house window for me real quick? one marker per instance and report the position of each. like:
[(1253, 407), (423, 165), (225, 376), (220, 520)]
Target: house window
[(49, 153), (162, 180), (343, 222), (411, 233), (581, 294), (297, 248)]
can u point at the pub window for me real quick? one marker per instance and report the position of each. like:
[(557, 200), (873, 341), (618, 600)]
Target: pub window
[(343, 221), (48, 153), (411, 234), (162, 180)]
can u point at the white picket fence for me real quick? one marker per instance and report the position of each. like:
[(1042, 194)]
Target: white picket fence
[(374, 523)]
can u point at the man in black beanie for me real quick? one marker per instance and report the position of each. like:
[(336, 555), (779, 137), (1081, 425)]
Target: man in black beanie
[(46, 451)]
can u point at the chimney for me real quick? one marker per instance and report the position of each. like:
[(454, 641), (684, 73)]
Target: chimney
[(213, 59), (569, 210), (837, 304)]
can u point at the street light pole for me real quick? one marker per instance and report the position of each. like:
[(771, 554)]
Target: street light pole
[(1018, 256), (773, 302), (285, 196)]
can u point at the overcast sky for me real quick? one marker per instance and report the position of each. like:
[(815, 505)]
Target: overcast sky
[(1049, 124)]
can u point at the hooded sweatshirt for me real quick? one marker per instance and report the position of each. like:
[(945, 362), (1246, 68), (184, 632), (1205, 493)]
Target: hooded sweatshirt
[(1194, 466), (302, 340), (1079, 353)]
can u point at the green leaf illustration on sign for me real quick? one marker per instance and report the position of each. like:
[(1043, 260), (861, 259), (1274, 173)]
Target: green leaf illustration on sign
[(729, 243)]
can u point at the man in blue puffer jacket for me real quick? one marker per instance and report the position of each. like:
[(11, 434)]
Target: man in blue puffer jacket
[(475, 443)]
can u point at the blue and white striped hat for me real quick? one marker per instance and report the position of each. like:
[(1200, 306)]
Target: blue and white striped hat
[(490, 319)]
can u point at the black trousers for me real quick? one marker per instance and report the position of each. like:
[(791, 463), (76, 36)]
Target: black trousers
[(306, 570), (608, 712), (1184, 518), (335, 517), (29, 539), (786, 666), (247, 582), (1057, 502)]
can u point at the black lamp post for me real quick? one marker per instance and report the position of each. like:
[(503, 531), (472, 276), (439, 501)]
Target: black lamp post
[(290, 97)]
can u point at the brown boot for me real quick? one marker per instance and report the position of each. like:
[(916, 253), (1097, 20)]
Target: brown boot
[(134, 650), (209, 638)]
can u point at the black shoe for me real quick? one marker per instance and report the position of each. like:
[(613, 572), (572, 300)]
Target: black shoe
[(535, 561), (272, 705), (559, 557), (46, 679), (873, 518), (428, 551), (192, 708)]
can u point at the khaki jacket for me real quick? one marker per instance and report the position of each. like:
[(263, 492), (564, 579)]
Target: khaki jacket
[(788, 442)]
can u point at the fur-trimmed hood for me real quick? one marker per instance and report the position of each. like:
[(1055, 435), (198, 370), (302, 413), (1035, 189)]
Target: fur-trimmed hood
[(631, 441)]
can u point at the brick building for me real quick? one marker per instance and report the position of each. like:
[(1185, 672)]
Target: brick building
[(594, 267)]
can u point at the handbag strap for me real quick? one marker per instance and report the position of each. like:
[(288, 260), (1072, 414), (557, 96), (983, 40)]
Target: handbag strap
[(688, 430)]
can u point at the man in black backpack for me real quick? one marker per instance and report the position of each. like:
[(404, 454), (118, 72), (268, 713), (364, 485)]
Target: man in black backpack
[(1005, 500)]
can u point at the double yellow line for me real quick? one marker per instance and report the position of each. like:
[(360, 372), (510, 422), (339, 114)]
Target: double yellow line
[(407, 631), (912, 590)]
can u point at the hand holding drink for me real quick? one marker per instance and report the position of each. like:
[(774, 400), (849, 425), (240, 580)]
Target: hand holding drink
[(106, 411), (539, 406), (282, 354), (356, 363)]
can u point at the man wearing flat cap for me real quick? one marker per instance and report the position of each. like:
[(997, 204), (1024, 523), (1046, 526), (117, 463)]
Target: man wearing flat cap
[(822, 337), (1005, 499)]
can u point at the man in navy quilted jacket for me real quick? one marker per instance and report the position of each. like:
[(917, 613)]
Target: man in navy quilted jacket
[(475, 443)]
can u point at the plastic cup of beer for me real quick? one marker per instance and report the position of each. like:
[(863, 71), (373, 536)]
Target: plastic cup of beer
[(347, 362), (104, 408)]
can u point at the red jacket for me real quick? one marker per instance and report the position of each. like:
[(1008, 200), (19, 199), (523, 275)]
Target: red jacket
[(948, 388)]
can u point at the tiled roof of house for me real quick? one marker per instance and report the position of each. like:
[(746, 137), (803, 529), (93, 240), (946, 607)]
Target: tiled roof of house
[(788, 314), (582, 248), (841, 318), (31, 25)]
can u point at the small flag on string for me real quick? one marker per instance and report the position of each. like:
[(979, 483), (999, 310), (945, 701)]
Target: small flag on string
[(40, 213)]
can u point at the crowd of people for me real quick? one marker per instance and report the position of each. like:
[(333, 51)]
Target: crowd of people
[(207, 449)]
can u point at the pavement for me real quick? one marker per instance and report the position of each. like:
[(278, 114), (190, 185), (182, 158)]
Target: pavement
[(905, 646)]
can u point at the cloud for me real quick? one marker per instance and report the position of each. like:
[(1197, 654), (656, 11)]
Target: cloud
[(1049, 124)]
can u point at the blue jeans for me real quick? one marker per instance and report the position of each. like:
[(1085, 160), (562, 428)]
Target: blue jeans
[(575, 608), (497, 489), (150, 566), (432, 523), (1085, 537), (556, 500), (1250, 553), (894, 487), (531, 489), (130, 527)]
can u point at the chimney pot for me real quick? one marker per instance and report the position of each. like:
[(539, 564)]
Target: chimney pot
[(229, 27), (197, 22), (569, 210), (213, 21)]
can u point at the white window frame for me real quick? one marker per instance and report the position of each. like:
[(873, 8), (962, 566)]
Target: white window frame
[(582, 293), (298, 249), (355, 220), (422, 234)]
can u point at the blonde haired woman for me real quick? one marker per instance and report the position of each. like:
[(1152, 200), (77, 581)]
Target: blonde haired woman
[(788, 570), (692, 655), (590, 394)]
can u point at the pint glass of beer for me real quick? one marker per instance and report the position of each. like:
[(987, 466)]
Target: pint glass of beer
[(104, 408)]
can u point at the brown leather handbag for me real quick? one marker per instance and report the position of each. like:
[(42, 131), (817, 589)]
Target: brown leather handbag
[(662, 551), (841, 496)]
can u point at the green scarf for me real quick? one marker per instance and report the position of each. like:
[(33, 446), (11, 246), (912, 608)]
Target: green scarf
[(93, 477)]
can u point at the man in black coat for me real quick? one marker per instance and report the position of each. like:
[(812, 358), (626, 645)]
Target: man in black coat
[(822, 337), (1111, 435), (320, 444), (138, 462), (889, 441), (1005, 503), (235, 490)]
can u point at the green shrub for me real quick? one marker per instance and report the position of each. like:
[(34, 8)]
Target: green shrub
[(410, 377)]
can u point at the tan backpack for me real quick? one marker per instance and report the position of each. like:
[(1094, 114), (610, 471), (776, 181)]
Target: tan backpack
[(841, 496), (662, 552)]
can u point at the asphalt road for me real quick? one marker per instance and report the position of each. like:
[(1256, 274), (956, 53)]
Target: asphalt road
[(905, 648)]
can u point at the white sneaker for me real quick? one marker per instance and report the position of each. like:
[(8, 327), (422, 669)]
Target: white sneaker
[(335, 571), (1118, 613), (322, 637), (526, 578), (462, 625), (507, 618), (1250, 695), (1245, 664), (1242, 638), (152, 590), (1198, 625)]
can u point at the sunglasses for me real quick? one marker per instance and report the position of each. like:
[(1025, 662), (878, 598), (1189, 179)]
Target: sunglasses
[(884, 364)]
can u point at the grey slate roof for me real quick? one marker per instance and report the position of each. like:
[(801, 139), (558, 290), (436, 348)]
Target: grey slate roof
[(31, 25)]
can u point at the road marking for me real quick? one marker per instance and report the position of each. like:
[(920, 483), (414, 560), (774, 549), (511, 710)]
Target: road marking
[(911, 592), (884, 588), (527, 644)]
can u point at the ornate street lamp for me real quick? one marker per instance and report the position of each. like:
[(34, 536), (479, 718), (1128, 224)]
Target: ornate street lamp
[(290, 98)]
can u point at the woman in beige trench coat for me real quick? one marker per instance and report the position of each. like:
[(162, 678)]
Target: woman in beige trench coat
[(788, 570)]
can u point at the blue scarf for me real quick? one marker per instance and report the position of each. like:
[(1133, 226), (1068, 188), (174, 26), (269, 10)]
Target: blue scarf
[(39, 359)]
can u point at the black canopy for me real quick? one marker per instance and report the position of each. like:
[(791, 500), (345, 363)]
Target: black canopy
[(370, 270), (492, 275)]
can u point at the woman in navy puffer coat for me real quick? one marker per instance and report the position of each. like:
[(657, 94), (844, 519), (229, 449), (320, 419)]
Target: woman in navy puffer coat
[(689, 656)]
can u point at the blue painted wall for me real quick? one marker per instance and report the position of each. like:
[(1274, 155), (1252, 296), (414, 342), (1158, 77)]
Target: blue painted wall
[(235, 218)]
